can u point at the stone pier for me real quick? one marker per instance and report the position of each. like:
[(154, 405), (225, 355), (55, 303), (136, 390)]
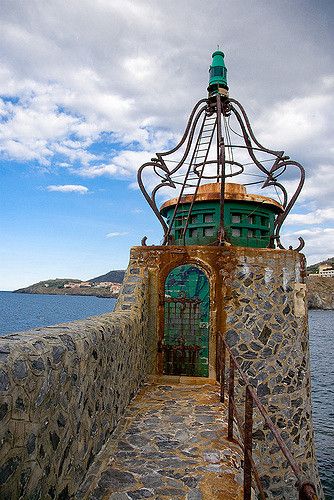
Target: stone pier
[(65, 389)]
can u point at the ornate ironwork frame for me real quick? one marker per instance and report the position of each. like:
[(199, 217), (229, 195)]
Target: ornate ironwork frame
[(214, 108)]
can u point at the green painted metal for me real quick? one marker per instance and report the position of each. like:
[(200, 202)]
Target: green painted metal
[(218, 73), (247, 224), (186, 322)]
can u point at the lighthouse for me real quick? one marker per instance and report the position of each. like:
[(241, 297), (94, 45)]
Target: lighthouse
[(211, 324), (223, 279)]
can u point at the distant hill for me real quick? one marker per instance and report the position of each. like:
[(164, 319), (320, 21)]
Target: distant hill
[(44, 286), (314, 267), (57, 286), (113, 276)]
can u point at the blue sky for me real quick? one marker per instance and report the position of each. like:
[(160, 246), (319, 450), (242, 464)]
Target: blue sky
[(56, 234), (89, 91)]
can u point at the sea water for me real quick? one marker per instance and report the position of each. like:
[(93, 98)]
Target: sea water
[(321, 325), (21, 311)]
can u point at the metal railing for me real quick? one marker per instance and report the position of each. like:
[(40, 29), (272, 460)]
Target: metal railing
[(306, 489)]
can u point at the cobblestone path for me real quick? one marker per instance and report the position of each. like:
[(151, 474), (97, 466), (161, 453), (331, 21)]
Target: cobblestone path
[(169, 445)]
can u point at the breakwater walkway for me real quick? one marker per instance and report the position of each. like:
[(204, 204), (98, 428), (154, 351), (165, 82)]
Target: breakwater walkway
[(170, 444)]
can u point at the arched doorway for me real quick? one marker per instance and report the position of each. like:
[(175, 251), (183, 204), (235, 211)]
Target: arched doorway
[(186, 322)]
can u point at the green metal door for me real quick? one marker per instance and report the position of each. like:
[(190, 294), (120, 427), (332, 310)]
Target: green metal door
[(186, 322)]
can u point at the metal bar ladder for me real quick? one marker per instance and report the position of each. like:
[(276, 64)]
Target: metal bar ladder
[(200, 157)]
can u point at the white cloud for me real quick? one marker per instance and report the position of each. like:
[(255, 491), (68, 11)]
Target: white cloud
[(139, 68), (315, 217), (74, 78), (328, 81), (123, 165), (319, 185), (301, 121), (116, 234), (68, 188)]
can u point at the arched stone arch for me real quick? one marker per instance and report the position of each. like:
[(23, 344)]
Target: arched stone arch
[(183, 259)]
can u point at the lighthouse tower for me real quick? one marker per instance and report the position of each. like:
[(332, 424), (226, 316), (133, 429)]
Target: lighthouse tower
[(222, 280)]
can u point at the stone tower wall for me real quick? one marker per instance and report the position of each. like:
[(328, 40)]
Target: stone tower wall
[(267, 329), (257, 301)]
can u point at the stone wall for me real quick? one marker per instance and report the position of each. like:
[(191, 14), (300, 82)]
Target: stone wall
[(63, 390)]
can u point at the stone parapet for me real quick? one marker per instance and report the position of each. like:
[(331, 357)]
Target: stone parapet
[(62, 391)]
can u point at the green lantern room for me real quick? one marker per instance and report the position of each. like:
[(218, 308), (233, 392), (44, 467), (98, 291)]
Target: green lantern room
[(248, 218)]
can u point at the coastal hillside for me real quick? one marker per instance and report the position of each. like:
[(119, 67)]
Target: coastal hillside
[(56, 285), (320, 292), (61, 287), (101, 286)]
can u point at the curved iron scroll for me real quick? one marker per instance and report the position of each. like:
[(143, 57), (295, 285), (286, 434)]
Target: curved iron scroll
[(212, 110)]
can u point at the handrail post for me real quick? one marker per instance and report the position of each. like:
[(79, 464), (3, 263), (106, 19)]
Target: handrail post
[(248, 433), (218, 357), (222, 372), (230, 399)]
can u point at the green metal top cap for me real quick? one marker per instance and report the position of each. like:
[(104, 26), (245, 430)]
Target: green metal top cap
[(218, 73)]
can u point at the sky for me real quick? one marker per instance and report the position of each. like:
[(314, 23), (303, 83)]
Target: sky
[(91, 90)]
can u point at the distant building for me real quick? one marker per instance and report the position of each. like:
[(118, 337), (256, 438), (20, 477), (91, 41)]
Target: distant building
[(115, 287), (103, 284), (72, 285), (326, 270)]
